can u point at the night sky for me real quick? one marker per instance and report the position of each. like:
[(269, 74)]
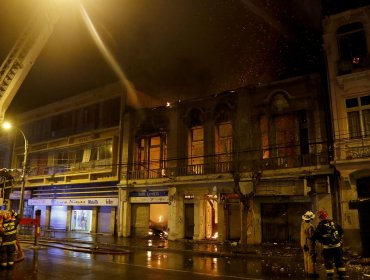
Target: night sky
[(170, 49)]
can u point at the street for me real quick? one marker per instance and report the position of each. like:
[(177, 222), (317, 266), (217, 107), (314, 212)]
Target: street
[(55, 263)]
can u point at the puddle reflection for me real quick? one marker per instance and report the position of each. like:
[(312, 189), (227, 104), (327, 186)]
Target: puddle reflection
[(216, 266)]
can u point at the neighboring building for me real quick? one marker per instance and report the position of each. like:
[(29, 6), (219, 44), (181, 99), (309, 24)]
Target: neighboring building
[(347, 45), (239, 165), (72, 161)]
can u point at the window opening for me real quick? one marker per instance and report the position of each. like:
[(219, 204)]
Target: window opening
[(358, 116), (196, 149), (352, 47)]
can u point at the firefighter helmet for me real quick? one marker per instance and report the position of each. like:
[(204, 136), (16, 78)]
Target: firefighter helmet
[(323, 215), (308, 216)]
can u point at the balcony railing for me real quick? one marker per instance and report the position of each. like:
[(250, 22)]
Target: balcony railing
[(271, 163), (194, 169), (352, 149), (358, 152), (213, 166), (295, 161), (91, 166)]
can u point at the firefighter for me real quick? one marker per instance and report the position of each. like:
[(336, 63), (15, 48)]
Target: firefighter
[(8, 249), (1, 227), (308, 247), (330, 235)]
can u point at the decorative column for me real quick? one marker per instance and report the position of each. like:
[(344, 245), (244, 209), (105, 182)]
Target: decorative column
[(47, 216), (124, 214), (112, 220), (243, 212), (69, 216), (221, 226), (199, 217), (254, 230), (94, 220), (175, 214), (120, 213)]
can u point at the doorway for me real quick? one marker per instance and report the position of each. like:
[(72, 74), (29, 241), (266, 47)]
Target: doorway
[(281, 222), (189, 221), (363, 191), (140, 216)]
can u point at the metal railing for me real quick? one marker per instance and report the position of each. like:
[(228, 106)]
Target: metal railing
[(70, 168), (295, 161), (271, 163), (352, 149), (180, 168)]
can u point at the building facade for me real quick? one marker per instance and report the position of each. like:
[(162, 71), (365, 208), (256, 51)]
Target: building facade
[(347, 45), (241, 165), (72, 166)]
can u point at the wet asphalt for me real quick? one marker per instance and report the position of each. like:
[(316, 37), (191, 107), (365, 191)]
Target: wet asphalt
[(281, 256)]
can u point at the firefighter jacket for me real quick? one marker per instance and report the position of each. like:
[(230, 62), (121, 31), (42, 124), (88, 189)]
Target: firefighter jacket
[(9, 233), (307, 231), (1, 227), (329, 234)]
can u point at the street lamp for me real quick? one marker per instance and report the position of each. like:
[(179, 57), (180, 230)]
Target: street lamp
[(7, 125)]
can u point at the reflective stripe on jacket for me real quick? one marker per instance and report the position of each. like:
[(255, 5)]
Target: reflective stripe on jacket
[(10, 231), (331, 246)]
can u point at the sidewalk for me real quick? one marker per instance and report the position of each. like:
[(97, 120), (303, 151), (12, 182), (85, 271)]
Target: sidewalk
[(204, 247)]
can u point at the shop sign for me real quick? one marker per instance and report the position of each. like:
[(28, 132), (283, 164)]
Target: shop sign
[(78, 202), (149, 194), (152, 199), (149, 197)]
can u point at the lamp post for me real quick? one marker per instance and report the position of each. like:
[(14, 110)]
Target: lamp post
[(7, 125)]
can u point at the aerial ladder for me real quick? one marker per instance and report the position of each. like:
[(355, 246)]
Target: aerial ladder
[(24, 53), (15, 69)]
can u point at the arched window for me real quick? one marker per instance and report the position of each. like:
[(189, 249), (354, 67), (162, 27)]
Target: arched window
[(196, 141), (151, 147), (223, 137)]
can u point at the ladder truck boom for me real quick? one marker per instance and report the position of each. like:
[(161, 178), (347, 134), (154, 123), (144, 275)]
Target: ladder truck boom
[(24, 53)]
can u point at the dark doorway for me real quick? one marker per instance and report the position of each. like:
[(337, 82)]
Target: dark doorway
[(189, 221), (281, 222), (233, 221), (274, 223), (363, 191), (364, 217)]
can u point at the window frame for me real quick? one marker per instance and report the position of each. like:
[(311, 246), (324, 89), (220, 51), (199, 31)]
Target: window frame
[(144, 152), (363, 132)]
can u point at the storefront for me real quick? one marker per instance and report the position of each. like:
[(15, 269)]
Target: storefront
[(81, 218), (96, 215), (149, 212)]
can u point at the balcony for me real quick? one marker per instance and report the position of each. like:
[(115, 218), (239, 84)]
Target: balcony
[(295, 161), (86, 172), (354, 149), (91, 166), (272, 163)]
